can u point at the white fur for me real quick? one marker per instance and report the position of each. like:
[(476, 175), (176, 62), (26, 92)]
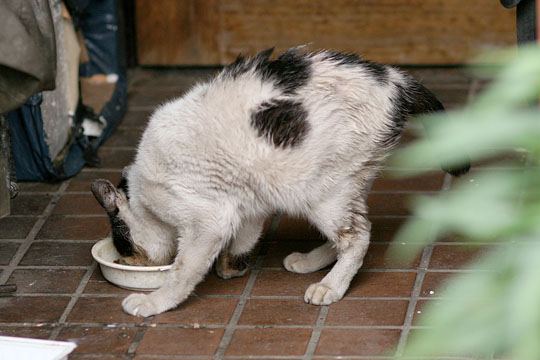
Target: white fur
[(203, 179), (316, 259)]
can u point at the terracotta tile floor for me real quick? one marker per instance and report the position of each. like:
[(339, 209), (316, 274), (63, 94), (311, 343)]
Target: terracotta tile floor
[(45, 249)]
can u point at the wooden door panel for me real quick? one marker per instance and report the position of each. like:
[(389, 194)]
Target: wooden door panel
[(203, 32)]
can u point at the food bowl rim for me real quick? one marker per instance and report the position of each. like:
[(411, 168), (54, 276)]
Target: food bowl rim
[(113, 265)]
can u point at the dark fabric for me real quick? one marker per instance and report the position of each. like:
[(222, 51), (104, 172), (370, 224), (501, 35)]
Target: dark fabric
[(77, 7), (510, 3), (30, 151), (98, 21), (99, 24), (27, 51), (526, 21)]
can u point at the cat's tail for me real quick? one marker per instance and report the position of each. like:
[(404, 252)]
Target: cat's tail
[(422, 101)]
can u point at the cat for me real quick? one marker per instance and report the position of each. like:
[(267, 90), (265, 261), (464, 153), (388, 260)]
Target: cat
[(303, 134)]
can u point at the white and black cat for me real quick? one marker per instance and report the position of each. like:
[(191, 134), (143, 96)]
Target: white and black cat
[(302, 134)]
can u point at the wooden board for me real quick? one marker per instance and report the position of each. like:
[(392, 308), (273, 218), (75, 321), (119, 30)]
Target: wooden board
[(205, 32), (171, 32)]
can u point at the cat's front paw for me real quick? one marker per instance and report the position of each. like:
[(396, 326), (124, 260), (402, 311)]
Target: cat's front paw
[(321, 294), (140, 305)]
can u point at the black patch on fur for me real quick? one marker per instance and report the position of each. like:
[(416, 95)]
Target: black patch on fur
[(120, 235), (120, 231), (290, 71), (282, 122), (377, 71), (242, 65), (106, 194)]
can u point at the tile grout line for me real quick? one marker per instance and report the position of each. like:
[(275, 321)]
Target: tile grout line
[(281, 297), (233, 322), (256, 297), (231, 326), (68, 241), (417, 287), (316, 333), (137, 338), (99, 356), (102, 170), (167, 357), (47, 267), (29, 193), (149, 324), (375, 270), (142, 328), (452, 243), (71, 304), (279, 357), (266, 269), (30, 237)]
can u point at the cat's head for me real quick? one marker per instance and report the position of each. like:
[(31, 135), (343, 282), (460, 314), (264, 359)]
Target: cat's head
[(115, 201)]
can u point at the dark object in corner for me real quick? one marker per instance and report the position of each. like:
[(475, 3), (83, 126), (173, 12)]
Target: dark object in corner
[(525, 19), (28, 51), (97, 20)]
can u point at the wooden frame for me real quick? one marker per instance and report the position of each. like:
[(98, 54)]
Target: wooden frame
[(213, 32)]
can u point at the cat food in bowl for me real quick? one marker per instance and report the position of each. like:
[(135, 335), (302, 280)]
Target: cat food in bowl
[(139, 278)]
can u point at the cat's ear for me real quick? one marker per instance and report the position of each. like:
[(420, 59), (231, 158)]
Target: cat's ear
[(106, 194)]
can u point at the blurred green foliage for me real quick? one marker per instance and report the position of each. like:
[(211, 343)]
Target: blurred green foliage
[(493, 312)]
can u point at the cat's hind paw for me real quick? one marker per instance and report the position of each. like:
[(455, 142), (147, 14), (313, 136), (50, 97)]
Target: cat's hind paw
[(298, 263)]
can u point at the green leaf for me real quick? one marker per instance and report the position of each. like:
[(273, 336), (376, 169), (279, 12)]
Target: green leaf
[(470, 135), (488, 311)]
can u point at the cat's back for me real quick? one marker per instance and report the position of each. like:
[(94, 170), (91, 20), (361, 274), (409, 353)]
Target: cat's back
[(264, 115), (300, 99), (272, 99)]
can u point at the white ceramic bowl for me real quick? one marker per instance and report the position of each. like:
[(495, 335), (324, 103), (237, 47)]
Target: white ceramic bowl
[(139, 278)]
